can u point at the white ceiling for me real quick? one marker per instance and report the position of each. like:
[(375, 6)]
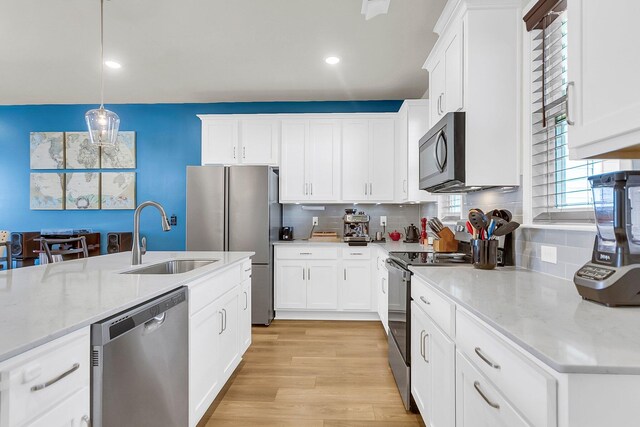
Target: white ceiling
[(213, 50)]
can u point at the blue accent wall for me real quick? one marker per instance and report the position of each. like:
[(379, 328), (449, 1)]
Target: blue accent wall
[(167, 141)]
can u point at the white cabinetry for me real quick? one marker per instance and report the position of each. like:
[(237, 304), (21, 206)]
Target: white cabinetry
[(382, 288), (310, 161), (59, 370), (475, 67), (237, 140), (411, 125), (291, 284), (604, 96), (219, 333), (322, 286), (368, 160), (355, 290)]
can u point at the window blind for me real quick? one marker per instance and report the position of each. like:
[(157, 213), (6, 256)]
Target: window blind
[(450, 207), (560, 189)]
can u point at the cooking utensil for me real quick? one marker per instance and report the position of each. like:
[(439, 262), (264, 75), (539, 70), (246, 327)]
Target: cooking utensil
[(506, 215), (509, 227), (478, 220), (491, 228)]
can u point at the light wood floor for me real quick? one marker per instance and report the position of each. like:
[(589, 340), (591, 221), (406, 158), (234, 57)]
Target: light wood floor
[(313, 374)]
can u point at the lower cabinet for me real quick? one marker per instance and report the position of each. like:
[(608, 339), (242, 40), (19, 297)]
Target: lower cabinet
[(478, 403), (432, 370), (382, 287), (306, 285), (219, 334), (72, 412), (322, 286), (355, 289)]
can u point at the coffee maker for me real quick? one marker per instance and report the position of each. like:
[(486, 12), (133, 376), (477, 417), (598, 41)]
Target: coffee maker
[(356, 227), (612, 277)]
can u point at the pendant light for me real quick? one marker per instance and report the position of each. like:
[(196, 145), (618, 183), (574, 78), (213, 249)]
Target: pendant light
[(103, 124)]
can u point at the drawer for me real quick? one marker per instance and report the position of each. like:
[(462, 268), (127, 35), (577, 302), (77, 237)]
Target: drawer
[(530, 389), (207, 289), (246, 270), (478, 403), (40, 379), (440, 309), (306, 252), (356, 252), (74, 411)]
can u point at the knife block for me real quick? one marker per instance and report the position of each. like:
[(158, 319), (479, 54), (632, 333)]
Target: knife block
[(447, 241)]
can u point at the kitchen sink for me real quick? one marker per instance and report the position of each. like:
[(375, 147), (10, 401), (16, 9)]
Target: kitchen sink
[(175, 266)]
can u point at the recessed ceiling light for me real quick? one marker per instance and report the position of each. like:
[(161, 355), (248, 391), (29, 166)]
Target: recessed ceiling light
[(113, 64), (332, 60)]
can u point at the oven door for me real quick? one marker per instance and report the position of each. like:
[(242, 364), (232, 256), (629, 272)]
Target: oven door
[(399, 303)]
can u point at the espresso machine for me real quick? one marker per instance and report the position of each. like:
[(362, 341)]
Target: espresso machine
[(356, 227), (612, 277)]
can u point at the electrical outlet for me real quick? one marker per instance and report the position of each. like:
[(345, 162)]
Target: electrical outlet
[(383, 221), (173, 221), (315, 220), (549, 254)]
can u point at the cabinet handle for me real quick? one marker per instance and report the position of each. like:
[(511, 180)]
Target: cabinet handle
[(344, 271), (438, 105), (570, 121), (365, 188), (244, 152), (247, 270), (304, 274), (221, 323), (370, 189), (246, 300), (52, 381), (234, 152), (86, 420), (225, 319), (424, 300), (305, 253), (309, 273), (306, 188), (442, 106), (404, 185), (424, 356), (383, 282), (355, 253), (422, 332), (476, 385), (486, 359), (311, 185)]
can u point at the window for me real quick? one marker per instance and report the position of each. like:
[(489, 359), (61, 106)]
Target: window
[(450, 207), (560, 189)]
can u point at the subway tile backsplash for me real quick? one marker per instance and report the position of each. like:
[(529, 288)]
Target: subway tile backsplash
[(330, 219)]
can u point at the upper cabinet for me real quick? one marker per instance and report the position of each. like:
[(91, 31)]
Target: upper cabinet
[(310, 161), (233, 141), (475, 67), (368, 160), (603, 91)]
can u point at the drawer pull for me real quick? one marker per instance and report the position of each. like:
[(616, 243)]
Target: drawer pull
[(476, 385), (424, 356), (56, 379), (356, 253), (247, 270), (422, 332), (486, 360), (305, 253), (424, 300)]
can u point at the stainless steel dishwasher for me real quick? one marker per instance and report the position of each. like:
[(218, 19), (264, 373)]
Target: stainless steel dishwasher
[(139, 361)]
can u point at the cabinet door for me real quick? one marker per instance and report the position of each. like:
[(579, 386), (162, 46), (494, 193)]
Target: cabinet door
[(401, 173), (355, 160), (602, 64), (291, 284), (205, 328), (293, 184), (355, 291), (381, 166), (439, 354), (436, 91), (72, 412), (219, 141), (383, 298), (478, 403), (259, 142), (322, 285), (245, 316), (417, 126), (230, 336), (452, 100), (323, 160), (420, 376)]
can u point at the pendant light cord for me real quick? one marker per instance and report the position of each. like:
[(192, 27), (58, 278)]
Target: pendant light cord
[(101, 53)]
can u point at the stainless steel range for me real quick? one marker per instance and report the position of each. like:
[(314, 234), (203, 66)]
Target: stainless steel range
[(400, 310)]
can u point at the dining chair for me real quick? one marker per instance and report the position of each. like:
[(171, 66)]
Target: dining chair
[(56, 249)]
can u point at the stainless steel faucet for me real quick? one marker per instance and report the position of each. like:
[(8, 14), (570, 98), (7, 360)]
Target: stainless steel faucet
[(137, 249)]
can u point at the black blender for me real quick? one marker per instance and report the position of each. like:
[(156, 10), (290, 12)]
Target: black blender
[(612, 277)]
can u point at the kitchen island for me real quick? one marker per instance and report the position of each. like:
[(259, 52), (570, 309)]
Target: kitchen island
[(46, 311)]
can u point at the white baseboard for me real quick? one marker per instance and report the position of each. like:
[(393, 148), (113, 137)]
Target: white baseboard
[(326, 315)]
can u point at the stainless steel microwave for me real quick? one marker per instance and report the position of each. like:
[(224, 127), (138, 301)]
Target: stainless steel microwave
[(442, 156)]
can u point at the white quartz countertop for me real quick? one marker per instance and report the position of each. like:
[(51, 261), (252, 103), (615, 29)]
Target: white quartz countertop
[(389, 245), (546, 316), (39, 304)]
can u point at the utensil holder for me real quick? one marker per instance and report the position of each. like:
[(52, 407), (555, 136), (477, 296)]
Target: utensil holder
[(447, 241), (484, 254)]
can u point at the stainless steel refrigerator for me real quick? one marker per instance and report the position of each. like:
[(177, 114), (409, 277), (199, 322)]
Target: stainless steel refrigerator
[(235, 208)]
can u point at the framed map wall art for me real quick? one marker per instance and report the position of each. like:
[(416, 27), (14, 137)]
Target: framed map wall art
[(80, 153), (123, 154), (46, 191), (82, 191), (118, 190), (46, 150)]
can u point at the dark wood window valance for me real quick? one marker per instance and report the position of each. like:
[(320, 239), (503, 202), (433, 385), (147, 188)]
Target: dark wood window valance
[(543, 8)]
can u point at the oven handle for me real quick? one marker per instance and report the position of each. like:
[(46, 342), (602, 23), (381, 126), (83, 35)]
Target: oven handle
[(395, 265)]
